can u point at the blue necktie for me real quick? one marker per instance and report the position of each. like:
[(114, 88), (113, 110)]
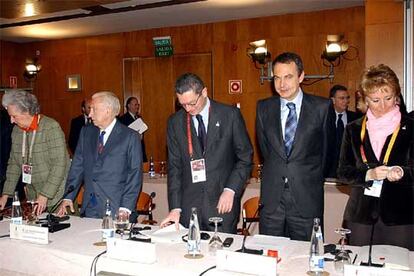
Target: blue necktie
[(290, 128), (202, 134), (101, 142)]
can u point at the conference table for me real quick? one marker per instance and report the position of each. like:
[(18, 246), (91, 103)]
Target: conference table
[(336, 197), (72, 250)]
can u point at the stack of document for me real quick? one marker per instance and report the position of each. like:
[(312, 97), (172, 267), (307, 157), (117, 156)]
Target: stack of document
[(168, 234)]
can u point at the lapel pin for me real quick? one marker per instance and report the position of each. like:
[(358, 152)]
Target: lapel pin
[(217, 124)]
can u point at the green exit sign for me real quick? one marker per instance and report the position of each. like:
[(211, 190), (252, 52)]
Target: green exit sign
[(163, 46), (164, 51)]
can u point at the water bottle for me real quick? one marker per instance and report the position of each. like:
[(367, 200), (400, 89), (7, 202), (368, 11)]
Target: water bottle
[(107, 222), (193, 243), (316, 259), (151, 170), (16, 214)]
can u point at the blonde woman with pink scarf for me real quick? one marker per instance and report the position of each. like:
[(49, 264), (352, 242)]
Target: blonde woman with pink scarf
[(377, 160)]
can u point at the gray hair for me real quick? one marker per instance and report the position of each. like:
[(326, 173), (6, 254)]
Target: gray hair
[(110, 99), (23, 100)]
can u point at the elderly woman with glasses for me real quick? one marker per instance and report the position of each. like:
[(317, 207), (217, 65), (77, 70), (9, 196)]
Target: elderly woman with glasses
[(38, 153), (377, 159)]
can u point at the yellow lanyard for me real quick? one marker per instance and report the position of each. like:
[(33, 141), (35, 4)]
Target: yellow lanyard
[(390, 145)]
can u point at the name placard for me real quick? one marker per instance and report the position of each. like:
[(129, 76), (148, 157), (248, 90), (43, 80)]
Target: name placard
[(242, 262), (133, 251), (29, 233)]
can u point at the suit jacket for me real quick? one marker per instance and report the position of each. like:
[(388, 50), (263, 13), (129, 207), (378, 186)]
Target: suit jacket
[(396, 202), (6, 128), (115, 174), (333, 163), (127, 119), (50, 160), (305, 168), (228, 159), (75, 128)]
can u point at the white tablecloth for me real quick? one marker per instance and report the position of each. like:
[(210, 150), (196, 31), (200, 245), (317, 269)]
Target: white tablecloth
[(71, 251)]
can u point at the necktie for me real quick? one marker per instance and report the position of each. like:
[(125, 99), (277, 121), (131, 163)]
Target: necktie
[(101, 142), (202, 135), (339, 131), (290, 128)]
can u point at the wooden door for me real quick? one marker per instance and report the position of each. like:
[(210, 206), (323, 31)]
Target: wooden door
[(152, 81)]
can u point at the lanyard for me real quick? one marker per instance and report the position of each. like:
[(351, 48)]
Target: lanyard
[(29, 156), (390, 144)]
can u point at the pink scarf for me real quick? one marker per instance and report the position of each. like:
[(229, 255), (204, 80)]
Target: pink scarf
[(380, 128)]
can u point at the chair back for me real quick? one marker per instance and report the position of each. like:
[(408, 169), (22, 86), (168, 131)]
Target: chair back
[(145, 206), (250, 213)]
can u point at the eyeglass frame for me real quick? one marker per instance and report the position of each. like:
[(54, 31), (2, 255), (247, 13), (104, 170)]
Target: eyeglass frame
[(191, 104)]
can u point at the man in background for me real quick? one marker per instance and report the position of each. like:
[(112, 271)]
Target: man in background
[(209, 158), (77, 123), (293, 134), (108, 160), (342, 116), (131, 114), (6, 128)]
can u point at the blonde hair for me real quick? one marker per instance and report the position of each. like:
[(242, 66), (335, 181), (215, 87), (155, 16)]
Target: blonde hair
[(379, 78)]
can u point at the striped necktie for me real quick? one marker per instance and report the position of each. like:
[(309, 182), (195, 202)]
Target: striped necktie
[(290, 128), (101, 142)]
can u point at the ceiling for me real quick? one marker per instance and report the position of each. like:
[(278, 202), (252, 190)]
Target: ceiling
[(55, 19)]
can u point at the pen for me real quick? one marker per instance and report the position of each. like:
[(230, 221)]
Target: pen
[(356, 255)]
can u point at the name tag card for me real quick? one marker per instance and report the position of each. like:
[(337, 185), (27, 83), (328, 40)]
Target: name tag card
[(133, 251), (29, 233), (375, 189), (246, 263), (354, 270)]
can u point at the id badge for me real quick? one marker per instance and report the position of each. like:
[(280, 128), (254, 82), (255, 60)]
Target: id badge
[(375, 189), (198, 170), (27, 173)]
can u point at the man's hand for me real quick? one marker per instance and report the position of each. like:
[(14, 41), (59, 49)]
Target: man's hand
[(395, 173), (41, 205), (225, 203), (62, 209), (379, 173), (173, 216), (3, 201)]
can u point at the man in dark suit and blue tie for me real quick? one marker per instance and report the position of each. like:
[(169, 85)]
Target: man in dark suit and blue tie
[(209, 158), (342, 116), (293, 134), (108, 160)]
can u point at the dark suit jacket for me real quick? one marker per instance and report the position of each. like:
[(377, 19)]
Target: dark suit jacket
[(6, 128), (306, 166), (115, 174), (127, 119), (228, 158), (75, 128), (333, 163), (396, 203)]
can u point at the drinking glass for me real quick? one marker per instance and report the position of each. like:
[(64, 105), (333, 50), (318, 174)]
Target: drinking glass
[(163, 169), (342, 257), (31, 199), (121, 222), (215, 242)]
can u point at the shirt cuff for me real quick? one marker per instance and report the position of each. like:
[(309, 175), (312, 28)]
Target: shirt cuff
[(125, 209), (230, 190)]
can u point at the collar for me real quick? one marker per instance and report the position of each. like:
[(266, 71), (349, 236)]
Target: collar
[(204, 112), (109, 128), (34, 125), (132, 115), (297, 100)]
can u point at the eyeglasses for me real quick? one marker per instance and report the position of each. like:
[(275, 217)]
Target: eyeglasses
[(191, 104)]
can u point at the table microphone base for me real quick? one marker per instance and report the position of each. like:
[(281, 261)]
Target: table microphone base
[(372, 264), (54, 227), (250, 251)]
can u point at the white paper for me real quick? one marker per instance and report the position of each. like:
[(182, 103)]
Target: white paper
[(138, 125), (167, 234), (393, 257)]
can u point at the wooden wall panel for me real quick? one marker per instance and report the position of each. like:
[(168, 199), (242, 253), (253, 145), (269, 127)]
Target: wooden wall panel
[(12, 63), (99, 60)]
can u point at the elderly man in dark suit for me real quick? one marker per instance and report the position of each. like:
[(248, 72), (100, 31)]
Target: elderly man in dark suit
[(77, 123), (107, 159), (293, 134), (342, 116), (131, 114), (209, 158)]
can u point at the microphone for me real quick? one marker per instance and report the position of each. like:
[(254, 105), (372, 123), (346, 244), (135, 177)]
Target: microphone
[(371, 241), (53, 222), (243, 248)]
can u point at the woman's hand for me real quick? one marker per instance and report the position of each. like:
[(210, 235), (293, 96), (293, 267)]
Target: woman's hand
[(378, 173), (41, 205), (395, 173)]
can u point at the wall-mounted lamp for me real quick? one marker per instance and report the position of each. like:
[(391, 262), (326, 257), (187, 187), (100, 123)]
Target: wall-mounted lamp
[(261, 58), (331, 56), (32, 68)]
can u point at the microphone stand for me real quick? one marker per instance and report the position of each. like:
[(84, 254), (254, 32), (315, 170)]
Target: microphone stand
[(243, 249), (371, 241), (53, 222)]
